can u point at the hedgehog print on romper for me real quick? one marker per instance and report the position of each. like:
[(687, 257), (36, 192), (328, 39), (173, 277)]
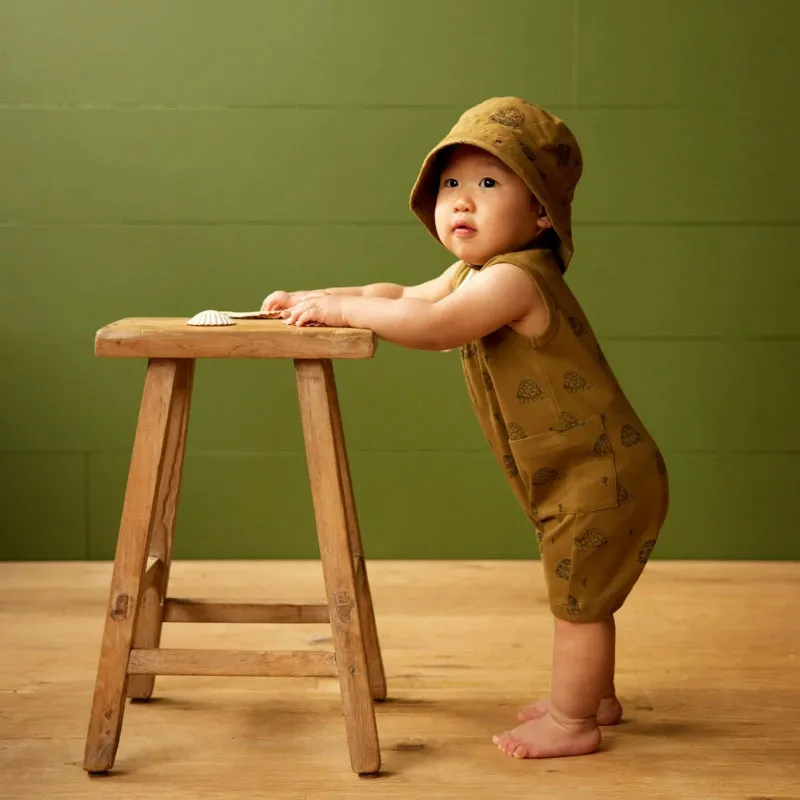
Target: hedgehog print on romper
[(515, 432), (603, 446), (568, 421), (630, 436), (529, 392), (578, 327), (575, 382), (591, 540)]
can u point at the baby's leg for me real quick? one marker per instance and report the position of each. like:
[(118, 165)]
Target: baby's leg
[(583, 659), (609, 712)]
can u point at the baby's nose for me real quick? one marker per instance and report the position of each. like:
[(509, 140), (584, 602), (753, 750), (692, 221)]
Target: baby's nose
[(463, 203)]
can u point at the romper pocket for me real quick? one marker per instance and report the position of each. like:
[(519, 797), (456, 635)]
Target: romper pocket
[(568, 472)]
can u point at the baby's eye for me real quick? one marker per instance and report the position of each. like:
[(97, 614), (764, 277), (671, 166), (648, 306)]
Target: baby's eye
[(487, 183), (450, 183)]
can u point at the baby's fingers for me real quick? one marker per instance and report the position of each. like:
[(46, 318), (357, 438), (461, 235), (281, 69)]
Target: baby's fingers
[(308, 316), (291, 315), (276, 301)]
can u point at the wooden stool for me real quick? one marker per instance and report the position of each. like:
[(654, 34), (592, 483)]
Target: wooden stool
[(130, 656)]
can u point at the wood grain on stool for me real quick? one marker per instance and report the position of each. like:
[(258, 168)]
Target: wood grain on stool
[(369, 630), (274, 664), (130, 655), (171, 337), (138, 508), (153, 594), (337, 563), (184, 610)]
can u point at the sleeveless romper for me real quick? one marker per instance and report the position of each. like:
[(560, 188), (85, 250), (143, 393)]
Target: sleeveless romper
[(578, 458)]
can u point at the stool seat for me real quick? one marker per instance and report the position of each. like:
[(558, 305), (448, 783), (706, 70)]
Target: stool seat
[(139, 604), (171, 337)]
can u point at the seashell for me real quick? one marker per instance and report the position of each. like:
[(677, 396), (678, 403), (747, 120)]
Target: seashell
[(209, 318)]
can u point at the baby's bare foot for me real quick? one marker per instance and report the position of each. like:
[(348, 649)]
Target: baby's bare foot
[(609, 711), (546, 737)]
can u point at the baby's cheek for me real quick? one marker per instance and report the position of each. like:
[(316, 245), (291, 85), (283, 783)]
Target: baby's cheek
[(441, 220)]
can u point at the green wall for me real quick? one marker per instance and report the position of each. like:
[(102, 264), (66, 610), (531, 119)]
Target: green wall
[(159, 157)]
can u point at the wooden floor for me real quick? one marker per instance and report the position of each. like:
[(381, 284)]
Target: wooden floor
[(708, 671)]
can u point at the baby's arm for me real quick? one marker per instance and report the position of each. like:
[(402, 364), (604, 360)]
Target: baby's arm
[(499, 296), (432, 291)]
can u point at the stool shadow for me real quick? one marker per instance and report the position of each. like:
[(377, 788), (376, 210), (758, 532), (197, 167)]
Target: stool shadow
[(253, 714)]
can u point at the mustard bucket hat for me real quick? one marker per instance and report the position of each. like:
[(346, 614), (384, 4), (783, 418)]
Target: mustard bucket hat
[(536, 145)]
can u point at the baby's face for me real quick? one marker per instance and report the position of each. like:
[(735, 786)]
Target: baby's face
[(483, 209)]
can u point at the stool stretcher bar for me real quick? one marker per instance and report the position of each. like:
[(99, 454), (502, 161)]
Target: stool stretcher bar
[(272, 664), (184, 610)]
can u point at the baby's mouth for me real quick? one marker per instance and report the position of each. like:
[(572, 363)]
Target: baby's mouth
[(463, 229)]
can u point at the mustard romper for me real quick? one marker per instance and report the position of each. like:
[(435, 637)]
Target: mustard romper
[(582, 465), (580, 461)]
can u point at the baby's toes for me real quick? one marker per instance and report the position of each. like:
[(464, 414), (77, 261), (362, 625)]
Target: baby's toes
[(506, 742), (514, 747), (518, 749), (500, 739)]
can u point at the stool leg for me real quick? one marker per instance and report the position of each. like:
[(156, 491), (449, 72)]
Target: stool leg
[(108, 704), (366, 612), (154, 587), (337, 564)]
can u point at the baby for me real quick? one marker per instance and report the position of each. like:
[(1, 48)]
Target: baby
[(497, 193)]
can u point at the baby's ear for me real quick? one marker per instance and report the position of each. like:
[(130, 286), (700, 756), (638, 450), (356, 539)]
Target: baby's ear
[(543, 221)]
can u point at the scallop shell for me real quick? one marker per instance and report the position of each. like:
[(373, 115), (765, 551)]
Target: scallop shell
[(210, 317)]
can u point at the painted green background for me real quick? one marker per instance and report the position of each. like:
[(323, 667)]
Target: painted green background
[(159, 157)]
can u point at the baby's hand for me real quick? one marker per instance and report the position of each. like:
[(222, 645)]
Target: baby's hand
[(320, 309), (278, 301)]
